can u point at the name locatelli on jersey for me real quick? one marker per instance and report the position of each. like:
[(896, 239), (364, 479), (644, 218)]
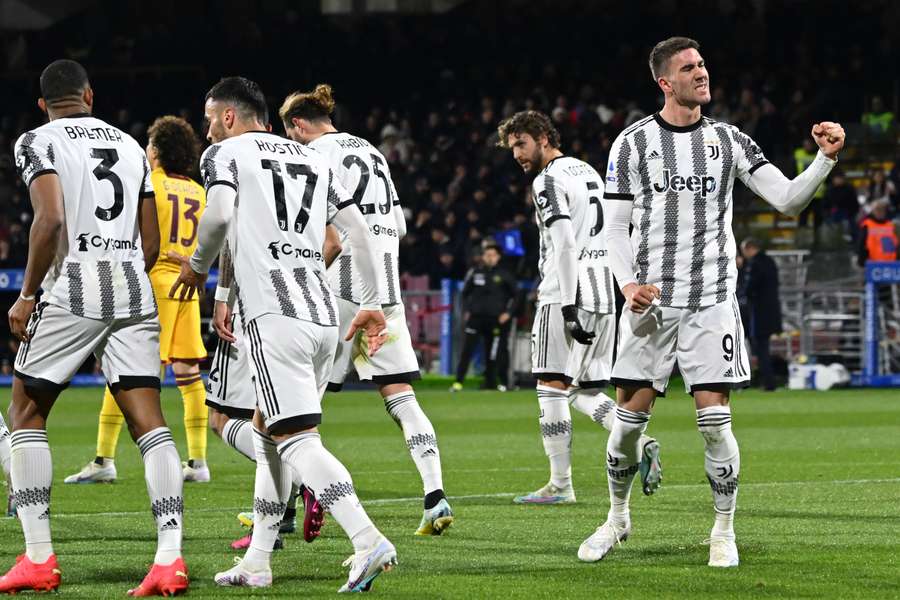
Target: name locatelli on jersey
[(279, 249)]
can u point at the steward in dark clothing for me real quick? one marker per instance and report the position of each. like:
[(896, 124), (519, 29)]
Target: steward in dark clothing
[(489, 299), (764, 302)]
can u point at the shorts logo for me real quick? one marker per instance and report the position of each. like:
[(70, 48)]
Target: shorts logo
[(279, 249), (95, 241)]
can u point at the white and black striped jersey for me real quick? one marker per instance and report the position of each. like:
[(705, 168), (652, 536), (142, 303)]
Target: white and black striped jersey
[(98, 270), (286, 194), (568, 188), (681, 181), (363, 170)]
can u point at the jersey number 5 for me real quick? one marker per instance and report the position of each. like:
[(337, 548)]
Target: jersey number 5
[(595, 202), (108, 157), (293, 170)]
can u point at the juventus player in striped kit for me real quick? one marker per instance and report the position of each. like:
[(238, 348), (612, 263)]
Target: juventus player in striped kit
[(360, 167), (93, 239), (272, 198), (573, 332), (671, 176)]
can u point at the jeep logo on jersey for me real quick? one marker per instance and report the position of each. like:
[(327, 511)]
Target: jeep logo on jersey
[(692, 183), (279, 249), (96, 241)]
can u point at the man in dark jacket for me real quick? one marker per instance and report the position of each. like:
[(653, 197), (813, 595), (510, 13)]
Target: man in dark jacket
[(764, 303), (489, 299)]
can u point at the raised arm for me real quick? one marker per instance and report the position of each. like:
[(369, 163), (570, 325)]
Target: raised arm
[(791, 196)]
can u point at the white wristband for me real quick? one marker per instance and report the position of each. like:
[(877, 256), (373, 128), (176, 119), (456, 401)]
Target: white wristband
[(26, 298), (222, 294)]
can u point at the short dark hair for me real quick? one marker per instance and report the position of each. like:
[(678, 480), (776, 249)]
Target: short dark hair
[(492, 246), (533, 123), (663, 52), (177, 146), (62, 79), (245, 95)]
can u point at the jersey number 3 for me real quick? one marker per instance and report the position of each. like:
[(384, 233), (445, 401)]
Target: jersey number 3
[(108, 157)]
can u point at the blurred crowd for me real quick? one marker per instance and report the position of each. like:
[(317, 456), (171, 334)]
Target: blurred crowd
[(434, 113)]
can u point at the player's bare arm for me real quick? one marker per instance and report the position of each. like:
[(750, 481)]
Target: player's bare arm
[(148, 224), (332, 247), (49, 216), (221, 320)]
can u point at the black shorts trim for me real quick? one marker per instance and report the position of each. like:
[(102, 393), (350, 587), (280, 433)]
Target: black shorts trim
[(131, 382), (230, 184), (407, 377), (631, 384), (334, 387), (617, 196), (43, 385), (593, 385), (554, 219), (285, 426), (230, 411), (720, 386), (550, 376)]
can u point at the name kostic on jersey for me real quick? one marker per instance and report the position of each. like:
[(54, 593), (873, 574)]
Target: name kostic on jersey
[(280, 147)]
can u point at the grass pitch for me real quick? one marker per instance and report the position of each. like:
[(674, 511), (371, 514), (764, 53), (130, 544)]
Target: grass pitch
[(818, 510)]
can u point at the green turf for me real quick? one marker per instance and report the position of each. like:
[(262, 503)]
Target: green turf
[(819, 507)]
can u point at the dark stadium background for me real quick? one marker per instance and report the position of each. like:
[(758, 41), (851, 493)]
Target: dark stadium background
[(429, 81)]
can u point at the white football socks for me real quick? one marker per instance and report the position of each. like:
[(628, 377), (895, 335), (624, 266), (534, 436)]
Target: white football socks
[(595, 404), (162, 471), (556, 433), (270, 491), (238, 433), (314, 466), (32, 473), (723, 465), (623, 458), (420, 438)]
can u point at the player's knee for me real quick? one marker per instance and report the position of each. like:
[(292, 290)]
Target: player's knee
[(394, 388), (181, 368), (558, 384), (29, 407), (217, 421)]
